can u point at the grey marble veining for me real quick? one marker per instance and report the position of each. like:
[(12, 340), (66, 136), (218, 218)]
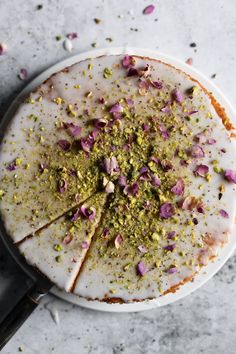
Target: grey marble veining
[(204, 322)]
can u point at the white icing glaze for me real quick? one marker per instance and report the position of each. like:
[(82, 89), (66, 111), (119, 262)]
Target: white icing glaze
[(100, 276), (39, 250)]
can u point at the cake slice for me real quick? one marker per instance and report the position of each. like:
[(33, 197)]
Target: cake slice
[(59, 249)]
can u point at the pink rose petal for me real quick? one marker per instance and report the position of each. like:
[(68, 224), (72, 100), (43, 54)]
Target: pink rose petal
[(23, 74), (141, 269), (64, 144), (230, 175), (3, 48), (72, 35), (88, 212), (167, 210), (178, 95), (142, 249), (128, 61), (197, 151), (118, 241), (148, 9), (224, 213), (178, 188), (85, 245)]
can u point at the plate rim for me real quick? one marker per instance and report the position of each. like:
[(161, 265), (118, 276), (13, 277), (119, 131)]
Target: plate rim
[(205, 273)]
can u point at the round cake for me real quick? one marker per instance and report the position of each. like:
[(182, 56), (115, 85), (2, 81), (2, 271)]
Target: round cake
[(118, 178)]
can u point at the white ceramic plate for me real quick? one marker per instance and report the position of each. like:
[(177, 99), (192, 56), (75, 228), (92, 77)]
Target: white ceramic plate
[(207, 272)]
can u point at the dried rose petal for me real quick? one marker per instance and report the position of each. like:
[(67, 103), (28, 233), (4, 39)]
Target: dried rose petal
[(170, 247), (167, 210), (224, 213), (201, 137), (100, 123), (87, 143), (211, 141), (191, 202), (132, 72), (118, 241), (178, 188), (148, 10), (88, 212), (72, 35), (164, 133), (155, 180), (85, 245), (23, 74), (201, 170), (178, 96), (122, 181), (197, 151), (3, 48), (63, 185), (129, 101), (166, 165), (145, 127), (105, 232), (171, 235), (116, 108), (189, 61), (132, 190), (142, 249), (157, 84), (73, 129), (141, 269), (128, 61), (154, 159), (64, 144), (230, 175), (172, 270), (12, 166), (75, 215), (67, 239), (166, 109)]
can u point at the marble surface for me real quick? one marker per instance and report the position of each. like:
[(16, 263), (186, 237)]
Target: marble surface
[(204, 322)]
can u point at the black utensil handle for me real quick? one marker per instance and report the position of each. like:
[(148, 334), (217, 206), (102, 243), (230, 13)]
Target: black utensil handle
[(20, 312)]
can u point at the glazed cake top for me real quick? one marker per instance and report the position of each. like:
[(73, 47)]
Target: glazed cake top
[(153, 142)]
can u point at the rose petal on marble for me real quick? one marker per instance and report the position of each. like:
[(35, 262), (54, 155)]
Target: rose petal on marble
[(148, 9), (224, 213), (3, 48), (23, 74), (72, 35)]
